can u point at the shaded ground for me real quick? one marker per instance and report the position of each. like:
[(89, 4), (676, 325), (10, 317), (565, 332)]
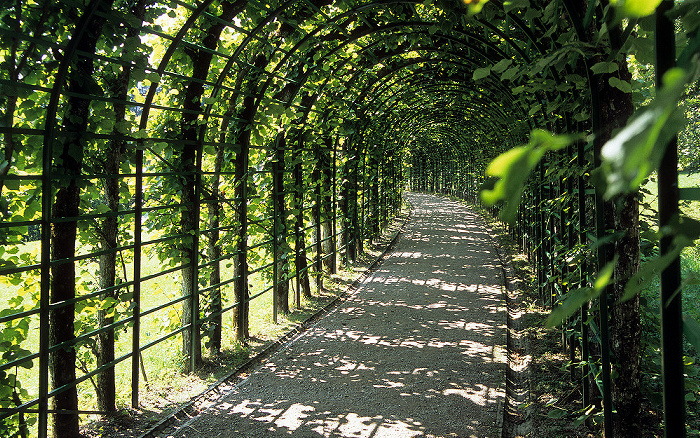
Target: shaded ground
[(416, 351)]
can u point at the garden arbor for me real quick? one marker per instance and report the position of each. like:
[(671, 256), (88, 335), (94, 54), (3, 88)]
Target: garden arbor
[(168, 163)]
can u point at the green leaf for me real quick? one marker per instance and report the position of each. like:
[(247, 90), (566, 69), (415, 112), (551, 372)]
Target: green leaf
[(621, 85), (557, 413), (636, 150), (604, 67), (509, 74), (691, 330), (513, 168), (574, 299), (481, 73), (502, 65), (475, 6), (12, 184), (685, 231), (534, 109), (636, 8)]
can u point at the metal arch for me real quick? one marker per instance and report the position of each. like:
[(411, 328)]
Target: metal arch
[(350, 11), (407, 90), (404, 24), (308, 36), (427, 122), (414, 82), (422, 121), (433, 112), (412, 61), (407, 61)]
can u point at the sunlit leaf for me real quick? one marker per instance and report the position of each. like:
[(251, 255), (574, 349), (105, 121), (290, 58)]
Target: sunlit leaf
[(631, 155), (636, 8), (513, 168)]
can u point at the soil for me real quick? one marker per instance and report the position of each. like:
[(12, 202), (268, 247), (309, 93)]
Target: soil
[(416, 351)]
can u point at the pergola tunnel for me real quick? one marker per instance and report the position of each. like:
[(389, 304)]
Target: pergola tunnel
[(174, 171)]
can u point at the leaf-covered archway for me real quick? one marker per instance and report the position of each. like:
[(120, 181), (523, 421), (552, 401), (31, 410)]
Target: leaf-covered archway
[(235, 148)]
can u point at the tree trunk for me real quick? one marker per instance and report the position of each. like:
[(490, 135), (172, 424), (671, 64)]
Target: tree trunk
[(625, 319), (280, 231), (316, 222), (189, 219), (240, 261), (374, 196), (343, 208), (214, 253), (63, 234), (355, 241), (61, 319), (625, 322), (105, 381), (326, 204), (300, 262)]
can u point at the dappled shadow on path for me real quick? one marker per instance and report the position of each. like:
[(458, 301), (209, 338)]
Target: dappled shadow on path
[(410, 354)]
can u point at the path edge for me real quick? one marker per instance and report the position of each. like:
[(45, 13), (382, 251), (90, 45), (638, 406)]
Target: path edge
[(517, 418)]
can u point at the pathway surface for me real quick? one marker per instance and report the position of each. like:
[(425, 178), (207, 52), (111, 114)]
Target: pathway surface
[(416, 351)]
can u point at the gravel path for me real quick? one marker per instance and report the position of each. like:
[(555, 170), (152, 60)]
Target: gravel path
[(416, 351)]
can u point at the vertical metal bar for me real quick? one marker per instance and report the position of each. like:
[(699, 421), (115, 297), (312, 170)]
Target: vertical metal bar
[(45, 285), (136, 312), (334, 201), (275, 246), (671, 293), (583, 280), (603, 256), (319, 219), (195, 324)]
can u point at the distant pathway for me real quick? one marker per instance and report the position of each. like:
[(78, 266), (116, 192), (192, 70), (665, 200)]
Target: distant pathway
[(416, 351)]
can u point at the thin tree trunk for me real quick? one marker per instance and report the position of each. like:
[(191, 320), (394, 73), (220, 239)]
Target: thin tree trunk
[(344, 214), (189, 219), (214, 253), (240, 262), (326, 203), (300, 262), (316, 222), (105, 381), (63, 234), (280, 232)]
